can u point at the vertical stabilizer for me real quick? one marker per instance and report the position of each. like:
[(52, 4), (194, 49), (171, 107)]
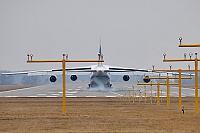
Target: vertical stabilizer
[(100, 54)]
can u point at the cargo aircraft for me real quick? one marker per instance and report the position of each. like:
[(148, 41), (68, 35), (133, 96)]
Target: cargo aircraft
[(100, 73)]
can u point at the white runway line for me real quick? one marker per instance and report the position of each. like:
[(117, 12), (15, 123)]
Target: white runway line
[(24, 89), (82, 91), (91, 96), (51, 96), (51, 92), (116, 93), (71, 96), (72, 92), (11, 96), (55, 94), (6, 92), (68, 92), (80, 87), (111, 96), (41, 94), (13, 90)]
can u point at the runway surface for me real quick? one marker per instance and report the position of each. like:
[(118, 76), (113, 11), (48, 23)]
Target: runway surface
[(79, 89)]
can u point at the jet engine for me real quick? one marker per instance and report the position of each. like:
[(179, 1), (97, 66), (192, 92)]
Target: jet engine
[(126, 78), (74, 77), (146, 79), (53, 78)]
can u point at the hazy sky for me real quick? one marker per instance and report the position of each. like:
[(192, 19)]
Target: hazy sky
[(134, 33)]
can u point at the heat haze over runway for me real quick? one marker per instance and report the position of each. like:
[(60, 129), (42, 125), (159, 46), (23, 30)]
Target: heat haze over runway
[(80, 89)]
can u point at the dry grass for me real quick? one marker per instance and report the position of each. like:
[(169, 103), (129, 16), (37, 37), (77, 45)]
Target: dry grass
[(95, 115)]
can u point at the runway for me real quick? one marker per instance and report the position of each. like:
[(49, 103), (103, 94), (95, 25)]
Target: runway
[(79, 89)]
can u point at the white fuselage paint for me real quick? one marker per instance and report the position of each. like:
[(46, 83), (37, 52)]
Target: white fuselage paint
[(99, 78)]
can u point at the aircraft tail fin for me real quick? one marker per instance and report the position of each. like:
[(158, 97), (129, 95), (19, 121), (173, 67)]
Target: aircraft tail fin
[(100, 49), (100, 52), (100, 55)]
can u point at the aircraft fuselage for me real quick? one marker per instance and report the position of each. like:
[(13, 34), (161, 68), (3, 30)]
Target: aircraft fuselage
[(100, 79)]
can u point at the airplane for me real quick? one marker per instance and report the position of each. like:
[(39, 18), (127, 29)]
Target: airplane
[(100, 73)]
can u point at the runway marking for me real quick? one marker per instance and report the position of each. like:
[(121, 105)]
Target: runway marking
[(24, 89), (174, 92), (11, 96), (51, 96), (41, 94), (31, 96), (91, 96), (116, 93), (16, 90), (55, 94), (72, 91), (51, 92), (12, 90), (71, 96), (6, 92), (68, 92), (111, 96)]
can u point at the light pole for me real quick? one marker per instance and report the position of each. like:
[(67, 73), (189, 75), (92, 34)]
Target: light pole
[(63, 61)]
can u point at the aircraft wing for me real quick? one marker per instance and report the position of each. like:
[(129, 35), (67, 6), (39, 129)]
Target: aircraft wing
[(46, 72), (27, 72), (184, 74), (107, 69), (122, 69), (80, 69), (76, 69), (173, 73)]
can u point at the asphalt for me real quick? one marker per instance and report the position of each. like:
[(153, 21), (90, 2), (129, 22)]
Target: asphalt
[(80, 89)]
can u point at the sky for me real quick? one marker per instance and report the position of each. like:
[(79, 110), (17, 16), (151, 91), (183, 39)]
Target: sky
[(134, 33)]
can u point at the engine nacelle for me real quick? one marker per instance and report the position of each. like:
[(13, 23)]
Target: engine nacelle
[(146, 79), (73, 77), (126, 78), (53, 78)]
